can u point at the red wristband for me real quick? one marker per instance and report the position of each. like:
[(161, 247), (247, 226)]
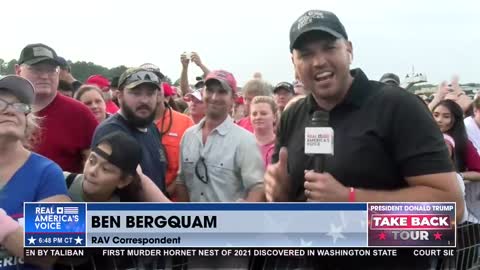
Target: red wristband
[(351, 195)]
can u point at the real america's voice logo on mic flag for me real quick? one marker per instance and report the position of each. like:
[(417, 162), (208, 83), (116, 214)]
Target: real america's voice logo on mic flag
[(319, 135)]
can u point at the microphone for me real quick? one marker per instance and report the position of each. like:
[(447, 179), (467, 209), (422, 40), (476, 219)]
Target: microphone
[(319, 139)]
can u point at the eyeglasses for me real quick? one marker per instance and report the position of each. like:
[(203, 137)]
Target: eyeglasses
[(202, 177), (43, 69), (17, 106), (142, 76)]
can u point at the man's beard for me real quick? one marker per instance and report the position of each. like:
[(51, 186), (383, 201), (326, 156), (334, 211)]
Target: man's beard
[(216, 114), (136, 121)]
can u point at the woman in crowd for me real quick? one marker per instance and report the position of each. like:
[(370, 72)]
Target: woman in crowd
[(472, 124), (91, 96), (24, 176), (251, 89), (264, 115), (449, 117)]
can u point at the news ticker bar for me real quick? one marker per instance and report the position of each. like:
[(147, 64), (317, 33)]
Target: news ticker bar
[(242, 252), (204, 225)]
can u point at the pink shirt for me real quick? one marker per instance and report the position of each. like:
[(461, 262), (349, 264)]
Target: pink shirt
[(246, 124), (267, 151)]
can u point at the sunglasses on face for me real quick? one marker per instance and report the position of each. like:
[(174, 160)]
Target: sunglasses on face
[(142, 76), (17, 106)]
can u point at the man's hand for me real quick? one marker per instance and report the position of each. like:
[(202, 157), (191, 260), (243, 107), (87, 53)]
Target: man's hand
[(323, 187), (457, 94), (277, 180), (196, 59), (442, 91), (184, 60)]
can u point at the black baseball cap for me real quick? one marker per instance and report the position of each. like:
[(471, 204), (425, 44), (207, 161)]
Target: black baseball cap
[(390, 78), (63, 63), (316, 20), (284, 85), (200, 83), (36, 53), (126, 151)]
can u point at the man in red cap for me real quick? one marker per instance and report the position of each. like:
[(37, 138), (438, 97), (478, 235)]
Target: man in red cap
[(104, 84), (219, 160), (225, 152)]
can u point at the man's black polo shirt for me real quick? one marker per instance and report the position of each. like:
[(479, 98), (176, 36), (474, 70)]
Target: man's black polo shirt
[(382, 134)]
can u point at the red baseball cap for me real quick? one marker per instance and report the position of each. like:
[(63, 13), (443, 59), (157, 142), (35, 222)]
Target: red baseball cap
[(225, 78), (239, 100), (99, 81), (167, 90)]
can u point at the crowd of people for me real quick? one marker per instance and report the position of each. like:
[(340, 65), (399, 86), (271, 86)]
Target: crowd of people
[(135, 138)]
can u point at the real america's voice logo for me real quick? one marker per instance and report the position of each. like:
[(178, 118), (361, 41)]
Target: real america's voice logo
[(54, 224)]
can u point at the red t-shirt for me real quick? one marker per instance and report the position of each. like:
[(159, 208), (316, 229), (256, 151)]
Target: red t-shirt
[(246, 124), (67, 128), (111, 107)]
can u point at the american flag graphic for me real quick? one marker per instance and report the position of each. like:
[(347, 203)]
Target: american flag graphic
[(70, 210)]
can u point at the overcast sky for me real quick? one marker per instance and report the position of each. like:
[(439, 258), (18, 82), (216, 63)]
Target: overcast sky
[(439, 38)]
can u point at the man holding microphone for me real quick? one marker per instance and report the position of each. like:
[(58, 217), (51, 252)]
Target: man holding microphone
[(375, 155)]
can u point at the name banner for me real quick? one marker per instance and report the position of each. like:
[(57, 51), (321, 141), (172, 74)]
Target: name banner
[(232, 225)]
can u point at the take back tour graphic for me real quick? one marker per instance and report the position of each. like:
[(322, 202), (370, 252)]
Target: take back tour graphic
[(55, 224), (411, 224)]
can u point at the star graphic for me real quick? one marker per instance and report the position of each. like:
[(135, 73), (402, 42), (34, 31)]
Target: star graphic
[(335, 233), (303, 243), (382, 236), (78, 240), (438, 236), (31, 240)]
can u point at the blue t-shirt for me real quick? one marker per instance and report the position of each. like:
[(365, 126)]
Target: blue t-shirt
[(154, 161), (38, 179)]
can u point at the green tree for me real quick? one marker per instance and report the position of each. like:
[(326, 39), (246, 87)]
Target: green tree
[(116, 71), (82, 70), (11, 66), (177, 82), (3, 67)]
